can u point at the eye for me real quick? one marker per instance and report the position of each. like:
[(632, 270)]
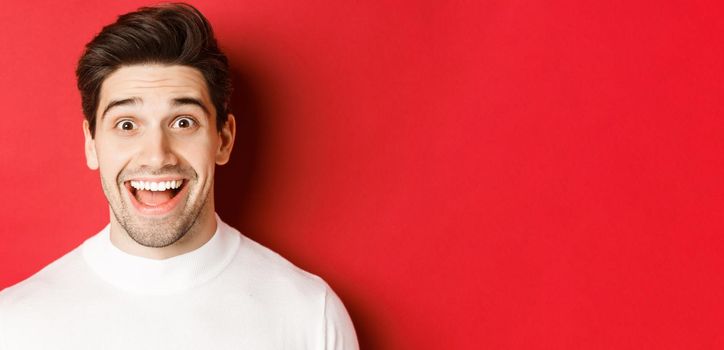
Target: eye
[(126, 125), (183, 123)]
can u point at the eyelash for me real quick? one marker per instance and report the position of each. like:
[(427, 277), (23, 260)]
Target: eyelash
[(118, 125), (190, 119)]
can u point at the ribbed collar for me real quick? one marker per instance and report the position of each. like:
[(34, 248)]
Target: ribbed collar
[(150, 276)]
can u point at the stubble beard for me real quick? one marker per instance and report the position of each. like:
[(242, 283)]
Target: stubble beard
[(153, 233)]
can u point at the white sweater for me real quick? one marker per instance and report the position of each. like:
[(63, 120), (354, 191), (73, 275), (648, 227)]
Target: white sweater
[(231, 293)]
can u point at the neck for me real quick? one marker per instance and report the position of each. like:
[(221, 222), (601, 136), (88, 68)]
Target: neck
[(200, 232)]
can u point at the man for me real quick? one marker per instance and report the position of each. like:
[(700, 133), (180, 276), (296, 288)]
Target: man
[(166, 273)]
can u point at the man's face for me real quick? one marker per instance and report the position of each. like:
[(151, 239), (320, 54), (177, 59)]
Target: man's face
[(156, 146)]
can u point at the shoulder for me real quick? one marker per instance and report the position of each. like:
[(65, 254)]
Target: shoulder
[(267, 268), (56, 277), (281, 290), (37, 297), (268, 277)]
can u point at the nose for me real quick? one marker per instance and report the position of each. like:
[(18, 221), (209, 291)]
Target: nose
[(156, 149)]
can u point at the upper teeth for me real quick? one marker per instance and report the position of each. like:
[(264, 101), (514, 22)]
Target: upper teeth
[(156, 186)]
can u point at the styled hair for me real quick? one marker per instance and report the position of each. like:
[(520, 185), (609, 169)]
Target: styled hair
[(169, 34)]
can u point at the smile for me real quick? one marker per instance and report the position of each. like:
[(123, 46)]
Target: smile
[(156, 197), (156, 186)]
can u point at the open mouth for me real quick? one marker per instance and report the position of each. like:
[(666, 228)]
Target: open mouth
[(155, 196)]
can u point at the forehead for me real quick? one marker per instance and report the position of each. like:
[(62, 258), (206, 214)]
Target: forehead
[(153, 83)]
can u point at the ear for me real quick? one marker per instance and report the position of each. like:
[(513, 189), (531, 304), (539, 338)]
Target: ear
[(91, 158), (226, 134)]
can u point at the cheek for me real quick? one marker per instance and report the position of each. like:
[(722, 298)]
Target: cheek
[(200, 153), (203, 163), (112, 159)]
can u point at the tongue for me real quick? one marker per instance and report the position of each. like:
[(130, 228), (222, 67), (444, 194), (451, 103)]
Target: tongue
[(153, 198)]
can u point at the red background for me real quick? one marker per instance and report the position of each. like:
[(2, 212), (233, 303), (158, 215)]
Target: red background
[(493, 174)]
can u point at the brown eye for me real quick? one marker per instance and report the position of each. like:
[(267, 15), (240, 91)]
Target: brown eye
[(183, 123), (126, 125)]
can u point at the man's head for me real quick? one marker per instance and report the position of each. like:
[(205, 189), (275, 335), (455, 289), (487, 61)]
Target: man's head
[(155, 91), (169, 34)]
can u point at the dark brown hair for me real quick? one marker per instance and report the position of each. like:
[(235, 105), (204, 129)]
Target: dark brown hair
[(173, 34)]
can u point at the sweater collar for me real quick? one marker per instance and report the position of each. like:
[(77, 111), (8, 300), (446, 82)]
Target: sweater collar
[(150, 276)]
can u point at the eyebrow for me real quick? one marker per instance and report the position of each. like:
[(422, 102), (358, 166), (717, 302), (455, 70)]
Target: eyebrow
[(123, 102), (177, 102), (183, 101)]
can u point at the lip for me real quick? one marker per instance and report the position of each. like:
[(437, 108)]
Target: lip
[(161, 209)]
